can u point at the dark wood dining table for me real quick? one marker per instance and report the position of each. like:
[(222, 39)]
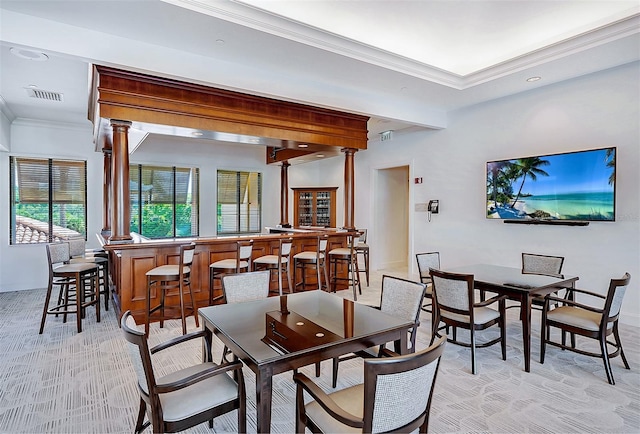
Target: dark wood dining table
[(518, 286), (279, 334)]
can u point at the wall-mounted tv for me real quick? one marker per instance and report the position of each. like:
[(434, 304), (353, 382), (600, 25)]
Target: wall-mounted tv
[(577, 186)]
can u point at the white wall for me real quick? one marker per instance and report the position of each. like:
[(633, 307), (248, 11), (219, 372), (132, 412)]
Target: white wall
[(593, 111), (25, 266)]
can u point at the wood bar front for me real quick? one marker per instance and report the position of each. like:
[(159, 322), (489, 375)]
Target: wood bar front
[(130, 263)]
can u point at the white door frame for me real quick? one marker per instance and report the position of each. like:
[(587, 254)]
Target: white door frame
[(372, 240)]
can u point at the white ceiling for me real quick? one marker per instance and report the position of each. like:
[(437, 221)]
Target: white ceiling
[(402, 62)]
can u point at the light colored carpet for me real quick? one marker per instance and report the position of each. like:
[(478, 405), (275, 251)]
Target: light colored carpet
[(66, 382)]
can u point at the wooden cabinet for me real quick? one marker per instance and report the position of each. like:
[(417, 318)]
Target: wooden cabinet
[(314, 206)]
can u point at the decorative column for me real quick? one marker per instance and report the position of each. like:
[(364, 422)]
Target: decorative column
[(284, 194), (106, 192), (120, 199), (349, 188)]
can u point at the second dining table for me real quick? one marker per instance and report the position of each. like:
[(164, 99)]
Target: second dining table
[(280, 334), (518, 286)]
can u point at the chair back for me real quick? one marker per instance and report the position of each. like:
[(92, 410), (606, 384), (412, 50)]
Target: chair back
[(57, 253), (613, 303), (186, 258), (363, 236), (426, 261), (323, 242), (542, 264), (253, 285), (284, 251), (245, 249), (139, 352), (77, 247), (453, 292), (401, 298), (398, 390)]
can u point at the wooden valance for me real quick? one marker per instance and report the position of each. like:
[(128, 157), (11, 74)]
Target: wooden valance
[(148, 100)]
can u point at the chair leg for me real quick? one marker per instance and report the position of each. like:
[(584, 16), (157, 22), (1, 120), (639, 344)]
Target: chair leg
[(334, 380), (140, 426), (182, 317), (473, 352), (289, 282), (194, 307), (605, 359), (544, 335), (619, 345), (79, 300), (46, 306)]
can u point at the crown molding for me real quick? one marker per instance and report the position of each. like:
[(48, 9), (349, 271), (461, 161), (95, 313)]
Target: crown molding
[(264, 21)]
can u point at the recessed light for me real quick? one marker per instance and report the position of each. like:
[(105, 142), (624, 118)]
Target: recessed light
[(220, 41), (302, 145), (196, 133), (29, 54), (320, 156), (531, 79)]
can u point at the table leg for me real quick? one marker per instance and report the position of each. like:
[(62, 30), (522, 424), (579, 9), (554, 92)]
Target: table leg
[(525, 314), (263, 400)]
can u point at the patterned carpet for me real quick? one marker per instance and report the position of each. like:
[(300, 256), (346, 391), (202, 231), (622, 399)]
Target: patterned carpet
[(66, 382)]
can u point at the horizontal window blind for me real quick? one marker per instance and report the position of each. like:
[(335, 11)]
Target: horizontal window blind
[(48, 199), (239, 202), (164, 201)]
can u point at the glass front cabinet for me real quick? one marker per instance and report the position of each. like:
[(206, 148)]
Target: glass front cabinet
[(314, 206)]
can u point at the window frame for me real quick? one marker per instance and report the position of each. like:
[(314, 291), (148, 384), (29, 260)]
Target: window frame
[(140, 203), (53, 231), (249, 228)]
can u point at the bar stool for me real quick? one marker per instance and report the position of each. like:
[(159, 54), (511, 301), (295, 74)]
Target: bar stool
[(79, 254), (315, 258), (347, 256), (66, 275), (279, 262), (241, 262), (166, 277), (362, 248)]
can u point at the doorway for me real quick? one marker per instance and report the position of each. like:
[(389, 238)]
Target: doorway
[(391, 217)]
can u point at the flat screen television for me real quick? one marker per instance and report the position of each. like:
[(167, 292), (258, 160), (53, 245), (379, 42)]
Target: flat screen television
[(576, 186)]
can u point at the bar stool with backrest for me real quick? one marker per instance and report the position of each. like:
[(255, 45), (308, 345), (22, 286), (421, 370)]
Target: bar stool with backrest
[(242, 262), (79, 253), (280, 263), (346, 256), (314, 258), (362, 248), (78, 276), (167, 277)]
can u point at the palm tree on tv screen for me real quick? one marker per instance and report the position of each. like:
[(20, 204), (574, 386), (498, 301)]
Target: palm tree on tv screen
[(529, 167), (611, 162)]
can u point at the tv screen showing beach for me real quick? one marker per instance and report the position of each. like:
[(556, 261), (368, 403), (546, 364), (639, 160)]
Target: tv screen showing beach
[(571, 186)]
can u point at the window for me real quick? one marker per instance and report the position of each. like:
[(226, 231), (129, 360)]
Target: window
[(239, 202), (164, 201), (48, 199)]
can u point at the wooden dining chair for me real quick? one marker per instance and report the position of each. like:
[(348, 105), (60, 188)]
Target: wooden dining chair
[(426, 261), (187, 397), (586, 320), (545, 265), (454, 304), (400, 298), (395, 396)]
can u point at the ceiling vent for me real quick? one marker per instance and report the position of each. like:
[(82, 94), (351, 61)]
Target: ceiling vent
[(44, 94)]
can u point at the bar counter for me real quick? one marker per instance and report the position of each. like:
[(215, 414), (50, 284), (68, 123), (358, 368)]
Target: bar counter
[(130, 263)]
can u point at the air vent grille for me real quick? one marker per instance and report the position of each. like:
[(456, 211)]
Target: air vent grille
[(45, 94)]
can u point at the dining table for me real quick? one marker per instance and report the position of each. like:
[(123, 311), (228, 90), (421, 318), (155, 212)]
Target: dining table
[(519, 286), (284, 333)]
